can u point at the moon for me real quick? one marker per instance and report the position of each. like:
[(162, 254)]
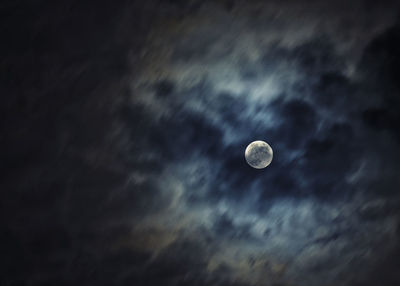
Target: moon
[(258, 154)]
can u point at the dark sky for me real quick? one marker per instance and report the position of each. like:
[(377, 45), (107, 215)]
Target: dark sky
[(123, 129)]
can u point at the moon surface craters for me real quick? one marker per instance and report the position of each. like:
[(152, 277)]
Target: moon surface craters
[(258, 154)]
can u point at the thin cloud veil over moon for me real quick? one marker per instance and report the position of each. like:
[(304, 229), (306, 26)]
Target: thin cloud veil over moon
[(258, 154)]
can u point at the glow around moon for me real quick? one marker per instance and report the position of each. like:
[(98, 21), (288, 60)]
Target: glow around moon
[(258, 154)]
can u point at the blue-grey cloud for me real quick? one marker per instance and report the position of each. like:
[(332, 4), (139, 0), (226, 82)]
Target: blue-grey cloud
[(125, 131)]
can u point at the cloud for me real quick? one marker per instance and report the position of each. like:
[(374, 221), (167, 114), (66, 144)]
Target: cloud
[(308, 211), (135, 173)]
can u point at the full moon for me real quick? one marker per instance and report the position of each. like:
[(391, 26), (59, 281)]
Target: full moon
[(258, 154)]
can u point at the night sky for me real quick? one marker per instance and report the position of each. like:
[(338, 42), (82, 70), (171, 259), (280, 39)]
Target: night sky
[(123, 126)]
